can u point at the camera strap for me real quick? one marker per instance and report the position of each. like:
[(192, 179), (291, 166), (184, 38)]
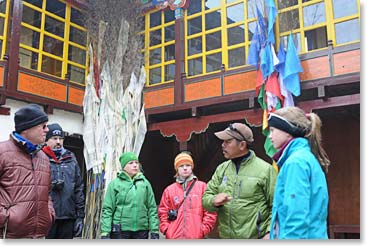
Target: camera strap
[(187, 193)]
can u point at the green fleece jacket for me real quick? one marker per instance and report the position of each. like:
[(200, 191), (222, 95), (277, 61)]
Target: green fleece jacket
[(129, 202), (248, 214)]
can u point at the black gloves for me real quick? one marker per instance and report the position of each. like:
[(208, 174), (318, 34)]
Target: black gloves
[(78, 227), (154, 235), (105, 236)]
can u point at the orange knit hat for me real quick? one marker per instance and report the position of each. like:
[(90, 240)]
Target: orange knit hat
[(182, 159)]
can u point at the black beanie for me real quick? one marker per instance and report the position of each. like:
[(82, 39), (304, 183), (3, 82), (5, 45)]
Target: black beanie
[(54, 130), (28, 117)]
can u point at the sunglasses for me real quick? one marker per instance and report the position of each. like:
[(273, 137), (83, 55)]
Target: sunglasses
[(234, 129)]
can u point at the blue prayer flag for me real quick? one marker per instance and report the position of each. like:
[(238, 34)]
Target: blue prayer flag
[(292, 68), (271, 20), (253, 54)]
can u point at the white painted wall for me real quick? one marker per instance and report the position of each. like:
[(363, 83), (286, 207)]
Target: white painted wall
[(69, 121)]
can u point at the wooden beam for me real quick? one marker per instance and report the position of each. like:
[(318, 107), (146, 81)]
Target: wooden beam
[(4, 110)]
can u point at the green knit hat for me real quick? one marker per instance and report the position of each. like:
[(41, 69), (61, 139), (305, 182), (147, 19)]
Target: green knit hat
[(126, 158)]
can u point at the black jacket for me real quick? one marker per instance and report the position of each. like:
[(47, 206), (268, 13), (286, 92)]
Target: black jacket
[(67, 187)]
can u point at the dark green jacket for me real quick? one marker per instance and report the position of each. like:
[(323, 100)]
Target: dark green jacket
[(252, 190), (130, 203)]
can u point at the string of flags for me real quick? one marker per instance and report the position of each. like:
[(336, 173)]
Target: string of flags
[(277, 74)]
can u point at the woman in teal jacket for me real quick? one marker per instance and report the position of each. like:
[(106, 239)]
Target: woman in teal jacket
[(129, 208), (300, 205)]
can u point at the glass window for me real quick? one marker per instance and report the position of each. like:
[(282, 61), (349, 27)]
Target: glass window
[(28, 59), (236, 57), (195, 46), (77, 55), (314, 14), (3, 6), (347, 31), (155, 56), (169, 52), (210, 4), (29, 37), (213, 62), (236, 35), (155, 37), (54, 26), (78, 36), (195, 66), (31, 17), (169, 16), (344, 8), (285, 4), (155, 76), (235, 13), (316, 39), (2, 22), (212, 20), (169, 33), (53, 46), (194, 26), (296, 40), (76, 74), (251, 8), (77, 17), (51, 66), (213, 41), (37, 3), (155, 19), (169, 72), (289, 20), (194, 7), (56, 7)]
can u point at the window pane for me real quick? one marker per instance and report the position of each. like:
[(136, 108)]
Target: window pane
[(155, 37), (169, 52), (3, 6), (169, 72), (296, 40), (235, 13), (169, 15), (78, 36), (76, 74), (212, 20), (155, 75), (155, 56), (1, 26), (213, 62), (194, 46), (289, 20), (77, 55), (344, 8), (251, 8), (251, 29), (77, 17), (37, 3), (56, 7), (54, 26), (155, 19), (316, 39), (284, 4), (236, 35), (29, 37), (236, 57), (195, 66), (209, 4), (31, 17), (53, 46), (213, 41), (169, 33), (314, 14), (28, 59), (51, 66), (352, 28), (194, 26), (194, 7)]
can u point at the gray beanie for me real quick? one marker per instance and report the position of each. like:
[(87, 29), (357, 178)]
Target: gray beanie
[(29, 116)]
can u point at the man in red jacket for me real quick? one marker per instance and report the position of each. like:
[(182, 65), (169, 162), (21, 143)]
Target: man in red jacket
[(180, 211), (26, 209)]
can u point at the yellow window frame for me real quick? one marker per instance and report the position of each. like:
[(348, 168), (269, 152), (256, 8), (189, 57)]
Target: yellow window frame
[(3, 36)]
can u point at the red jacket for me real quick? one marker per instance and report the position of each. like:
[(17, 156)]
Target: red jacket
[(26, 209), (193, 221)]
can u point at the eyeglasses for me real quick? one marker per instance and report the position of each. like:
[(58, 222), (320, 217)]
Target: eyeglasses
[(232, 128), (43, 126)]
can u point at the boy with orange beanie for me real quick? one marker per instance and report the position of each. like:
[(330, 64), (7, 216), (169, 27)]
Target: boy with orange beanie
[(180, 211)]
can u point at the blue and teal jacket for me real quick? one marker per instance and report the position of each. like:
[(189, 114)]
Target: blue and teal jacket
[(300, 205)]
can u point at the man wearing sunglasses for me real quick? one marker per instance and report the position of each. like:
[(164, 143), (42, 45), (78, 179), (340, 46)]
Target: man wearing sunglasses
[(241, 188), (26, 209)]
